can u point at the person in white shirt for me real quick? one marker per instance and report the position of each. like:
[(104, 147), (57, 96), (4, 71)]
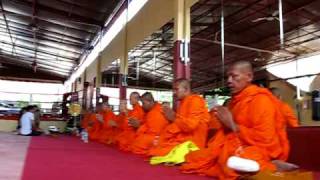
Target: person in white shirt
[(27, 122)]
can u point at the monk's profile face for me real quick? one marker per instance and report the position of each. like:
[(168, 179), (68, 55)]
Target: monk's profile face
[(134, 99), (179, 91), (123, 105), (105, 107), (167, 104), (238, 79), (98, 108)]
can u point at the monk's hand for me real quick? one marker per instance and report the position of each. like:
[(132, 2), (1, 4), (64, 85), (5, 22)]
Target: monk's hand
[(100, 118), (112, 123), (225, 117), (168, 113), (123, 109), (90, 123), (134, 122)]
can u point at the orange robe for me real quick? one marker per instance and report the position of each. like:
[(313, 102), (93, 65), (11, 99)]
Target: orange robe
[(94, 127), (108, 134), (290, 117), (146, 135), (85, 120), (126, 137), (214, 123), (190, 124), (260, 137)]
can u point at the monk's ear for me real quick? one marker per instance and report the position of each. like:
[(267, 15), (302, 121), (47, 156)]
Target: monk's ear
[(250, 76)]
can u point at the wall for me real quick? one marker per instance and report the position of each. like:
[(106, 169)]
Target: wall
[(79, 86), (10, 125), (288, 92), (288, 96), (91, 71), (315, 85), (150, 18)]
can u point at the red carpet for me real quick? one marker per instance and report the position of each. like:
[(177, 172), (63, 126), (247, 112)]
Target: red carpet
[(67, 158)]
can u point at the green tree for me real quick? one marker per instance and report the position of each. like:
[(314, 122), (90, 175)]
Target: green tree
[(22, 104)]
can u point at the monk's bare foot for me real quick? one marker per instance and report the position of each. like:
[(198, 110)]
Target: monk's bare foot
[(284, 166)]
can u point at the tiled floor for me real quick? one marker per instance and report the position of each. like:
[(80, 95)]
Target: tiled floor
[(13, 150)]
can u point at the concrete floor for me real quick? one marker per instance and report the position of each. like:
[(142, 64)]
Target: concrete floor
[(13, 150)]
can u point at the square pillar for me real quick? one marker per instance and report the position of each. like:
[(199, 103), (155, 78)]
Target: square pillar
[(181, 57)]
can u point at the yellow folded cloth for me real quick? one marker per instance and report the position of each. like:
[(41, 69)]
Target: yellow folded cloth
[(176, 155)]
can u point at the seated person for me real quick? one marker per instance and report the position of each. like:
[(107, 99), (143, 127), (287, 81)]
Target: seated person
[(154, 122), (27, 122), (188, 123), (126, 137), (95, 123), (290, 117), (37, 115), (110, 129), (250, 136)]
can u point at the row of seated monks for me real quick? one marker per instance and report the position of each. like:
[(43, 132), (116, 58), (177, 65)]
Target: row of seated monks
[(252, 127)]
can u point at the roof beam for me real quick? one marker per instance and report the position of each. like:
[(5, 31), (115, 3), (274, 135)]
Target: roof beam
[(57, 22), (61, 13), (24, 27), (39, 43), (42, 51)]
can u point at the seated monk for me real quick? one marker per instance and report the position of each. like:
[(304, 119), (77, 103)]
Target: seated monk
[(189, 122), (290, 117), (250, 138), (110, 129), (154, 122), (95, 124), (126, 137), (86, 114)]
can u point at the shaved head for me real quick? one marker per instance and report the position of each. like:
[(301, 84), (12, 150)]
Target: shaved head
[(240, 75), (135, 94), (123, 105), (134, 98), (106, 107), (185, 83), (244, 66), (147, 101), (147, 96), (182, 88)]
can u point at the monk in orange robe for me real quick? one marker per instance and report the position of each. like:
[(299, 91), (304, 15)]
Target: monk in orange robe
[(154, 122), (290, 117), (251, 129), (189, 122), (110, 129), (126, 137), (85, 118), (95, 124)]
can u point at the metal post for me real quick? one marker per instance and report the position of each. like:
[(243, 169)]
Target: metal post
[(281, 24), (222, 42)]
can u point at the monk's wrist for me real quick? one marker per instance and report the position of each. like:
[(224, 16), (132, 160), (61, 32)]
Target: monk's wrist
[(235, 128)]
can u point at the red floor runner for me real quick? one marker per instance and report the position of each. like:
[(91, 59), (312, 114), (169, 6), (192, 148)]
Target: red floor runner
[(67, 158)]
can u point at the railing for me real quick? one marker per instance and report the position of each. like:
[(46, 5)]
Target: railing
[(11, 103)]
